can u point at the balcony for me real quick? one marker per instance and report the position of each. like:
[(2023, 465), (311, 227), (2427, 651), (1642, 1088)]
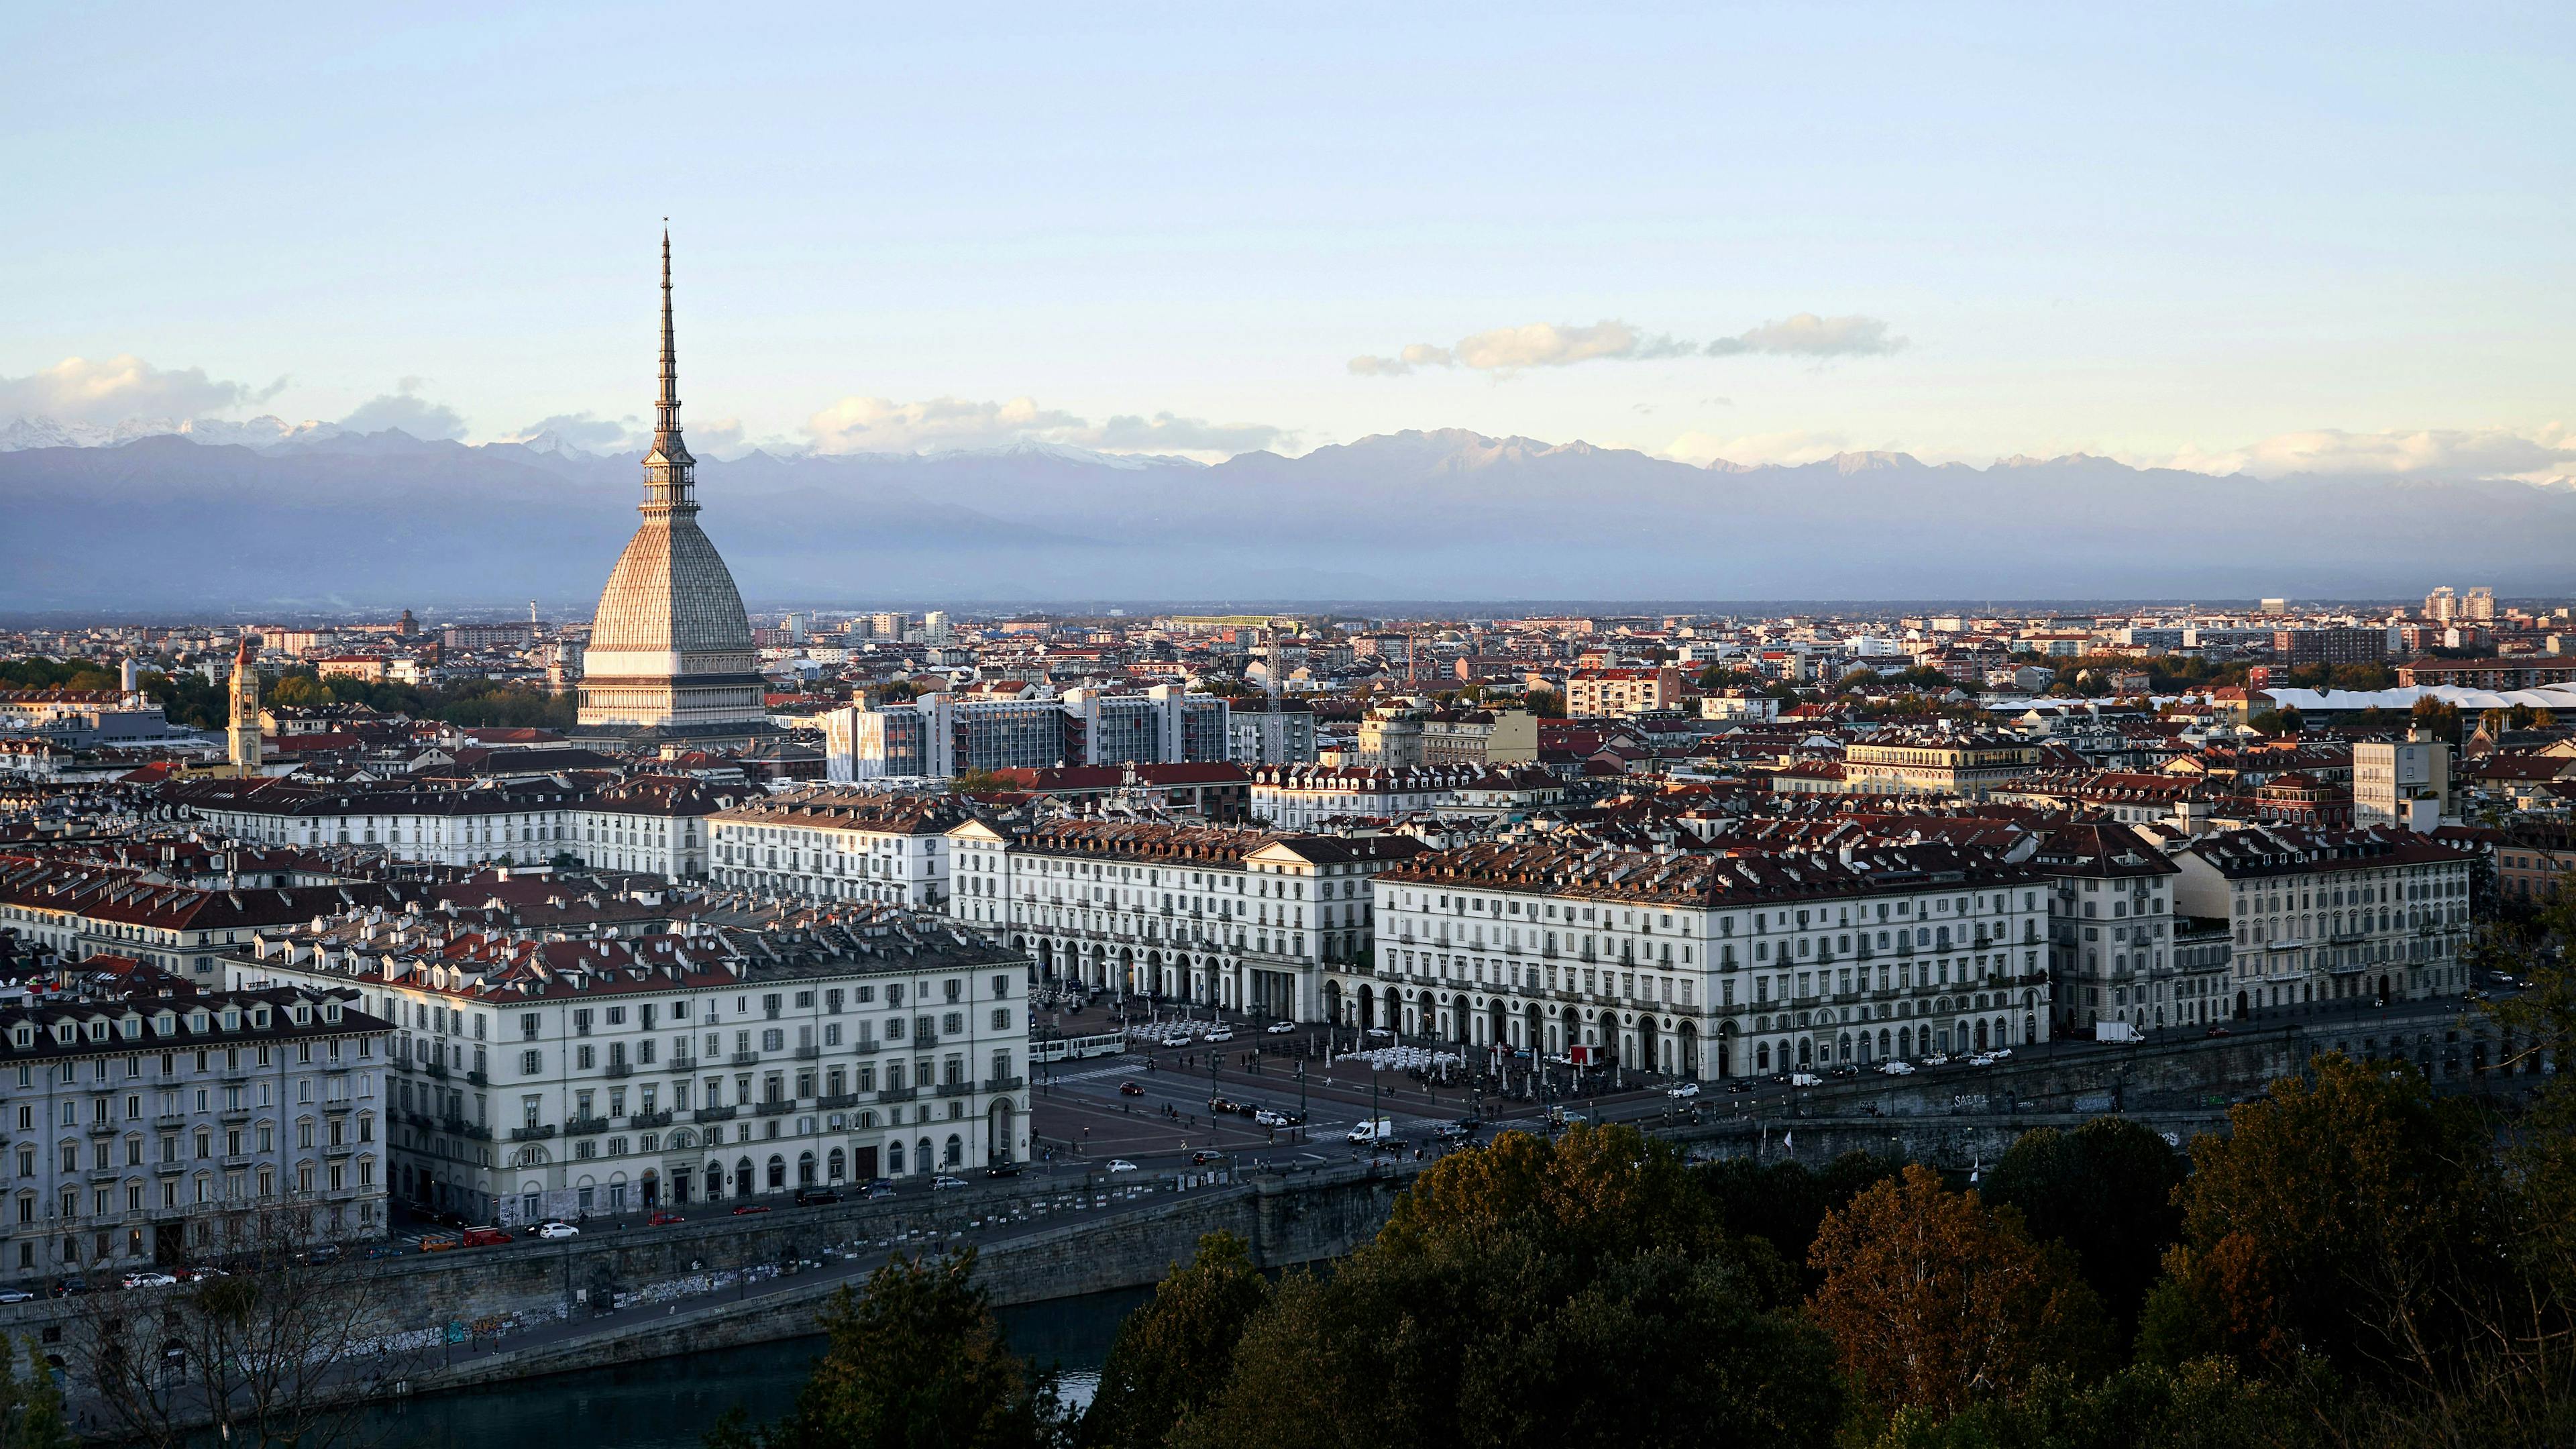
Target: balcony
[(955, 1089), (477, 1078), (649, 1119), (682, 1064), (831, 1100), (807, 1054), (585, 1126), (618, 1069), (102, 1129), (899, 1094), (713, 1114), (170, 1169), (746, 1059), (459, 1127), (438, 1070), (170, 1119), (773, 1109), (1004, 1084), (532, 1134)]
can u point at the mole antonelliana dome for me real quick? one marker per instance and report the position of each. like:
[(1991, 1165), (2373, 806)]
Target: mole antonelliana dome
[(670, 648)]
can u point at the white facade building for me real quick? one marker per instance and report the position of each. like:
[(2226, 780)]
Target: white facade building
[(549, 1078), (832, 843), (1707, 966)]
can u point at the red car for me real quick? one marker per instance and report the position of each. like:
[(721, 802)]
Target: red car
[(658, 1219), (748, 1209), (1131, 1089), (486, 1237)]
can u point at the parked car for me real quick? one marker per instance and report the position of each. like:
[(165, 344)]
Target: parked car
[(1131, 1089), (1121, 1164), (815, 1196), (879, 1194), (16, 1295), (1742, 1085), (1268, 1118), (1896, 1069), (661, 1220), (1005, 1169), (1222, 1033), (1937, 1059), (2000, 1054), (749, 1208), (486, 1237), (1685, 1089), (1203, 1158), (438, 1242), (2220, 1031), (873, 1183), (1222, 1104), (1805, 1079), (149, 1280), (1280, 1028), (944, 1183)]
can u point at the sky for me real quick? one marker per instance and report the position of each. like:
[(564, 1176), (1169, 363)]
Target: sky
[(2273, 237)]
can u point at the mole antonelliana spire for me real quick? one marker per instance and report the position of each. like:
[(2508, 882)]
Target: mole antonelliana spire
[(670, 654)]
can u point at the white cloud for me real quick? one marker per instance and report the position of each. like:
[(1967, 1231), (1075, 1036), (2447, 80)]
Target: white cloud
[(1545, 344), (124, 387), (589, 432), (405, 409), (2545, 455), (1165, 433), (1755, 449), (1540, 344), (1808, 335), (882, 425), (1420, 354)]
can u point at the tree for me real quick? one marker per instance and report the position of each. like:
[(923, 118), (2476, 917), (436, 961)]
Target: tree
[(1171, 1355), (1937, 1301), (2206, 1404), (916, 1360), (2343, 1216), (2106, 1190), (1533, 1294), (1783, 1203), (31, 1409), (284, 1349), (1493, 1342), (1545, 703), (2275, 722)]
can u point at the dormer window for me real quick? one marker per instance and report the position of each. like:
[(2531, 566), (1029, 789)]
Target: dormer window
[(65, 1033), (232, 1018), (198, 1021), (22, 1035), (130, 1028), (331, 1011), (98, 1031)]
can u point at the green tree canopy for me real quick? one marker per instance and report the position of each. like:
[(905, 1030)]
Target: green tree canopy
[(1175, 1352), (917, 1360), (2106, 1190)]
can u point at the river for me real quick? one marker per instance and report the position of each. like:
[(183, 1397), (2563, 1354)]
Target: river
[(669, 1403)]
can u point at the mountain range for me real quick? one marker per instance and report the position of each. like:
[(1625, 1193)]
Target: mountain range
[(268, 515)]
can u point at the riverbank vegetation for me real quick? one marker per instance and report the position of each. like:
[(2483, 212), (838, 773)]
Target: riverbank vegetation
[(2359, 1263)]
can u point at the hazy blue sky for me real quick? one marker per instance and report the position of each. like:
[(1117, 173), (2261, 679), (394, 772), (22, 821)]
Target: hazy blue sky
[(2220, 235)]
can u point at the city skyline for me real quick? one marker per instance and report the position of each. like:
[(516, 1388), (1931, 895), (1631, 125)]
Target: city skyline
[(2251, 243)]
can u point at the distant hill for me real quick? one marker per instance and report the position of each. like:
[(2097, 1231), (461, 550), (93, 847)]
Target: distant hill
[(272, 516)]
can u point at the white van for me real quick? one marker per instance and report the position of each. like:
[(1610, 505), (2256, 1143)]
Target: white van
[(1375, 1129), (1805, 1079)]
